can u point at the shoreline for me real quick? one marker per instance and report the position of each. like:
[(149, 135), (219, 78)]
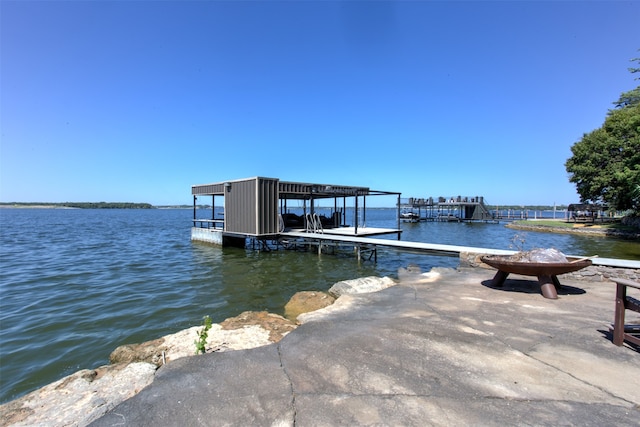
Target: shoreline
[(584, 229), (89, 394), (320, 359)]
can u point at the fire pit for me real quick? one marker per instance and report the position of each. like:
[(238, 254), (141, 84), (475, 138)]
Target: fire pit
[(546, 272)]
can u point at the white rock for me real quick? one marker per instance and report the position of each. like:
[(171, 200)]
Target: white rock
[(361, 285), (182, 344), (413, 275), (344, 303)]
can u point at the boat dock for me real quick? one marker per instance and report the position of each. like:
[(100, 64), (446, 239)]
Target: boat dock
[(366, 247), (449, 209), (256, 215), (258, 209), (363, 245)]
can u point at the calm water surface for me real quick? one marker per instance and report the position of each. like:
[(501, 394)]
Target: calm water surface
[(75, 284)]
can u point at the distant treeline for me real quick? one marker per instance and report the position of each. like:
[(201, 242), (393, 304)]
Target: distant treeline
[(129, 205), (82, 205)]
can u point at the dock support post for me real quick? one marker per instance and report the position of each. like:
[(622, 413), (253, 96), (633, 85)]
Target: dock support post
[(356, 216), (195, 199), (364, 211), (344, 210), (398, 216)]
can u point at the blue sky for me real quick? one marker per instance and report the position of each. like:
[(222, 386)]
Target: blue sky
[(138, 100)]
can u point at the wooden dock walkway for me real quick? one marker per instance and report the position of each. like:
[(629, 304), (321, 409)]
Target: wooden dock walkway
[(429, 248)]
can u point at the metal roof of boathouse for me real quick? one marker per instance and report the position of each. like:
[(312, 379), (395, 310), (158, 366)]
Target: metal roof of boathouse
[(292, 190)]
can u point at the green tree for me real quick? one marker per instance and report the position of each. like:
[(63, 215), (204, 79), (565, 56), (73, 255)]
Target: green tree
[(605, 165)]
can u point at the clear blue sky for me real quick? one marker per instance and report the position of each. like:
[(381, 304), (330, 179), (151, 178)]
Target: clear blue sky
[(138, 100)]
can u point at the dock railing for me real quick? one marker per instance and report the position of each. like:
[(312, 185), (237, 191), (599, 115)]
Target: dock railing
[(209, 223)]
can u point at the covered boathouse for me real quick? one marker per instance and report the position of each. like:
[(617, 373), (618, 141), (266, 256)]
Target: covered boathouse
[(256, 210)]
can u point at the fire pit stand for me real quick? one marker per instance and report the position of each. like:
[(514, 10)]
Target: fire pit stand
[(546, 272)]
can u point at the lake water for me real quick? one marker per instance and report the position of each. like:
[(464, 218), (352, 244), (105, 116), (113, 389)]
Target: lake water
[(75, 284)]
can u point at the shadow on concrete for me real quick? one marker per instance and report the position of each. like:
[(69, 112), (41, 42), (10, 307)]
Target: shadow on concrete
[(530, 287), (608, 335)]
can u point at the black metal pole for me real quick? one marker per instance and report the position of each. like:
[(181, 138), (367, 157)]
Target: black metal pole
[(364, 210), (398, 215), (344, 210), (355, 217)]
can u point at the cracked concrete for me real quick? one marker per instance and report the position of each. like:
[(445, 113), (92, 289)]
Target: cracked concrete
[(447, 351)]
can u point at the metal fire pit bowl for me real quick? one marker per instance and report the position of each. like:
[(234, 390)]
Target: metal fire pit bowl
[(546, 272)]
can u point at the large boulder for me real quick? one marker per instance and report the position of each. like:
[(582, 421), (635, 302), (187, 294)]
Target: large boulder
[(361, 285), (306, 301), (248, 330), (150, 352), (275, 325), (80, 398), (413, 275)]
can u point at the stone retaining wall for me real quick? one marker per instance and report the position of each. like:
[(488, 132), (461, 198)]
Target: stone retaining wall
[(594, 273)]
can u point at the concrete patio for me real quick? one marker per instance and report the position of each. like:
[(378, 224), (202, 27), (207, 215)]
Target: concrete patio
[(438, 349)]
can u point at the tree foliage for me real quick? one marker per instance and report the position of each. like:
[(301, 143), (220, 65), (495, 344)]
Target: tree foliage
[(605, 165)]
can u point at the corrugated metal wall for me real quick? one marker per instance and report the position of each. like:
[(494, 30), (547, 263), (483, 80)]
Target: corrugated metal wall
[(207, 189), (251, 206), (267, 206), (240, 207)]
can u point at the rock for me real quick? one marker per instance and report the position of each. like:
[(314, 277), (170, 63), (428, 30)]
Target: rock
[(345, 290), (276, 325), (413, 274), (361, 285), (306, 301), (159, 351), (248, 330), (80, 398), (150, 352), (345, 303)]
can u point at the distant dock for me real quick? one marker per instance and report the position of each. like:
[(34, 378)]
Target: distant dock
[(446, 209)]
